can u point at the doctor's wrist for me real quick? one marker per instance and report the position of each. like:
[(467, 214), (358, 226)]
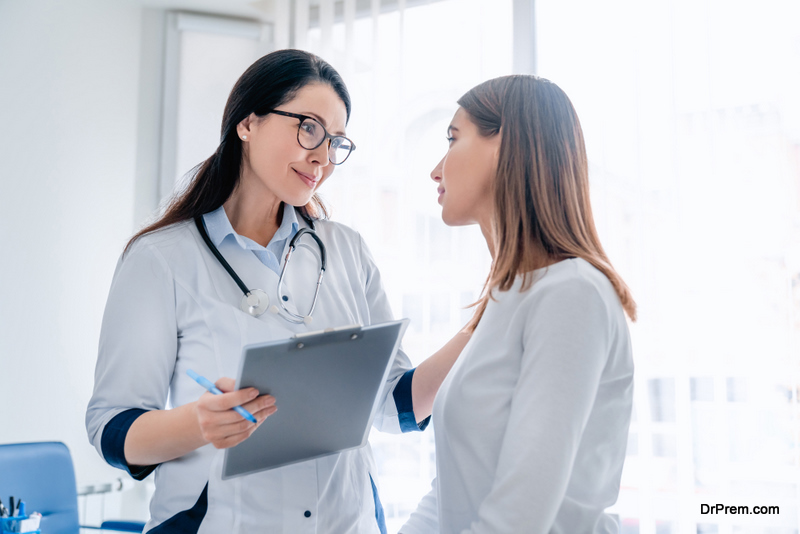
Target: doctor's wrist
[(162, 435)]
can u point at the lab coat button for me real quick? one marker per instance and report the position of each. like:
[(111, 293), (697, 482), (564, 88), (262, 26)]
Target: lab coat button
[(285, 298), (307, 513)]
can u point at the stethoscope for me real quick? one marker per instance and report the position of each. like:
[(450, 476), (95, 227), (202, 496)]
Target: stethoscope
[(255, 301)]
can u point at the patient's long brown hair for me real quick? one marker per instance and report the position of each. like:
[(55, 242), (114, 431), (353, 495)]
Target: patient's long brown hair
[(542, 211)]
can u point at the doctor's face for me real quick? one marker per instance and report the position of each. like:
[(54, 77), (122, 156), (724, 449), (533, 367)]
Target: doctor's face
[(275, 162), (466, 173)]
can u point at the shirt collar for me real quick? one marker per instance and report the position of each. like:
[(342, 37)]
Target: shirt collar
[(219, 227)]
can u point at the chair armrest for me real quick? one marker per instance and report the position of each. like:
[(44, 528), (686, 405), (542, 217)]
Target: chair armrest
[(123, 526), (119, 526)]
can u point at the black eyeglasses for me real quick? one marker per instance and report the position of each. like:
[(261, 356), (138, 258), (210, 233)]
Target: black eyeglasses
[(311, 134)]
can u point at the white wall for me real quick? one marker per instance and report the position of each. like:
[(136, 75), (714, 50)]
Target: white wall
[(69, 93)]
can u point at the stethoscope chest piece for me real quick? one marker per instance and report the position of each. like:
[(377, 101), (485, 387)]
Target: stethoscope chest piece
[(255, 302)]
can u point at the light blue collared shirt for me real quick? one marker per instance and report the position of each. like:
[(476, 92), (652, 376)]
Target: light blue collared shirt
[(219, 229)]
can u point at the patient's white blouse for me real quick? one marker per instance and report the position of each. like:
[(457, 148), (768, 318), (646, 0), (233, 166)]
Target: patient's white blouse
[(532, 422)]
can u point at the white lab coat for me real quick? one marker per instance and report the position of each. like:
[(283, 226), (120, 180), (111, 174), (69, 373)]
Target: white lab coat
[(173, 307)]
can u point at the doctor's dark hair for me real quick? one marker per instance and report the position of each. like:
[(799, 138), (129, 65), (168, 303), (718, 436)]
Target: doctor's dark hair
[(542, 211), (271, 81)]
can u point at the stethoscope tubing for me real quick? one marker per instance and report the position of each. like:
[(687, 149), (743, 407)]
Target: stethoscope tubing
[(323, 266), (201, 227), (290, 316)]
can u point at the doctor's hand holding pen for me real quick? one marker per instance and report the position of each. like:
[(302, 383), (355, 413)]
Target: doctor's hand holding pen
[(210, 419), (221, 424)]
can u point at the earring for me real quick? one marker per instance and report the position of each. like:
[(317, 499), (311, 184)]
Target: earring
[(244, 138)]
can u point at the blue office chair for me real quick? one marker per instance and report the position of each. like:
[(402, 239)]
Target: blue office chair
[(41, 474)]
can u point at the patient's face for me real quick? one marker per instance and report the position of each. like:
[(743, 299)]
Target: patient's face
[(466, 173)]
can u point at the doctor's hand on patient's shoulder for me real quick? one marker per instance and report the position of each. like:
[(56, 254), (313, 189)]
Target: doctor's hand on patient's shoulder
[(223, 427)]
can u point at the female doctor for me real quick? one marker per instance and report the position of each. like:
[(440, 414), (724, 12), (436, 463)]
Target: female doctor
[(174, 306)]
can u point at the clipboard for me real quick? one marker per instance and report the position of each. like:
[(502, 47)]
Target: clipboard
[(327, 386)]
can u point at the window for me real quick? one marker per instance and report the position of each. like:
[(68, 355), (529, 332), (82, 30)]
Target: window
[(204, 56), (693, 137), (703, 389), (405, 70), (662, 400)]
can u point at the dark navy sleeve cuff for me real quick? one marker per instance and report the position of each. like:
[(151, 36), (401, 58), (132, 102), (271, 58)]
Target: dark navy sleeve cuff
[(405, 405), (113, 443)]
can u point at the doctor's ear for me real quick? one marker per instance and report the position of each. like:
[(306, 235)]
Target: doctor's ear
[(243, 128)]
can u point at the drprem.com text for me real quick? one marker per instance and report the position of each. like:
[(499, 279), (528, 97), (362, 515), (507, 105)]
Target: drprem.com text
[(722, 509)]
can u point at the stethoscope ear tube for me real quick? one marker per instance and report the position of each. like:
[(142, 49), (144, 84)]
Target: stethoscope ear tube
[(309, 232), (293, 317)]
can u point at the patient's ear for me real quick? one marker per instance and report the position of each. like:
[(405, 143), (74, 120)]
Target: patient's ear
[(497, 139)]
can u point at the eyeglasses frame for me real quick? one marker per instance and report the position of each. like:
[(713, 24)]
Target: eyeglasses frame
[(302, 118)]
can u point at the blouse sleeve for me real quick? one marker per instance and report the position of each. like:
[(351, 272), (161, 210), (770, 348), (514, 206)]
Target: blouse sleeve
[(565, 348), (137, 352), (396, 411)]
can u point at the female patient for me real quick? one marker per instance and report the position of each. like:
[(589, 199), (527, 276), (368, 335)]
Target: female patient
[(532, 422)]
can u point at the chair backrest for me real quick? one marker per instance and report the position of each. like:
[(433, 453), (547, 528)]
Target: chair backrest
[(41, 474)]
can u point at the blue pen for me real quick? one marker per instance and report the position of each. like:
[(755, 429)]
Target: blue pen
[(206, 383)]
